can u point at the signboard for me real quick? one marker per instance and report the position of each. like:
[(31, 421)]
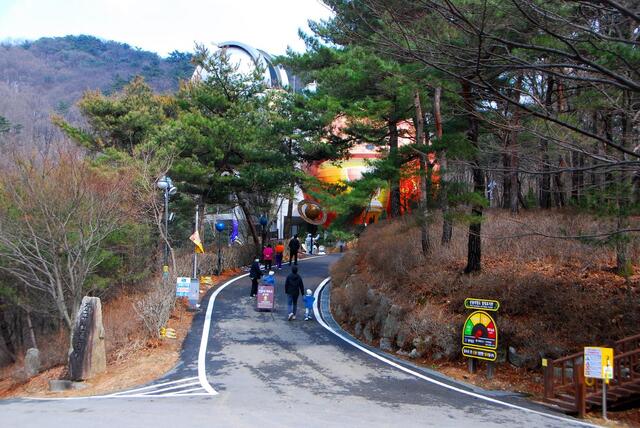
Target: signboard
[(480, 336), (487, 305), (482, 354), (265, 298), (182, 286), (194, 292), (598, 362)]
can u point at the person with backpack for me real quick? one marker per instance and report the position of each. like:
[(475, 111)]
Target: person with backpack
[(294, 247)]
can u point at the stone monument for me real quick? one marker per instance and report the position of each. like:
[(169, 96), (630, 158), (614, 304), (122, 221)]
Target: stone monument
[(88, 357), (32, 362)]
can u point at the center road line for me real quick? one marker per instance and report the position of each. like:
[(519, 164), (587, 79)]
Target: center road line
[(379, 357)]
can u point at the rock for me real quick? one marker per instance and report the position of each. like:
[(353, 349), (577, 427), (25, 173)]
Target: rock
[(502, 355), (401, 339), (88, 356), (382, 311), (368, 332), (385, 344), (372, 296), (437, 356), (403, 353), (519, 360), (415, 353), (32, 362), (357, 330), (339, 313), (57, 385), (391, 324)]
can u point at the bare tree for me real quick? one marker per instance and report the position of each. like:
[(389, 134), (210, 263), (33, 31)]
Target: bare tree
[(55, 216)]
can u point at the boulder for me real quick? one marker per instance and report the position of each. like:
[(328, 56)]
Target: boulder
[(415, 353), (385, 344), (520, 360), (382, 311), (402, 339), (357, 329), (88, 356), (368, 332), (391, 324), (32, 362)]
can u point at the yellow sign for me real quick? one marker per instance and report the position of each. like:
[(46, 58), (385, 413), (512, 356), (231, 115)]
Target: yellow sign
[(168, 333), (598, 362), (195, 238)]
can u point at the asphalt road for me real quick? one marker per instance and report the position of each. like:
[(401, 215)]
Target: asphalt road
[(258, 369)]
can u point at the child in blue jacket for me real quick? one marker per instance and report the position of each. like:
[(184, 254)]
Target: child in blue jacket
[(308, 305)]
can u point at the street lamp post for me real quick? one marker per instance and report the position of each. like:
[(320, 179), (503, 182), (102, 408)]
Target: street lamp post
[(166, 185), (220, 228)]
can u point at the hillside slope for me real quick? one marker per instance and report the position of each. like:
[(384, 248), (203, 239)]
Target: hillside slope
[(50, 74)]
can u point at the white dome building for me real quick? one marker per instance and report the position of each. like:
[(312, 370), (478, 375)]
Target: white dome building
[(247, 58)]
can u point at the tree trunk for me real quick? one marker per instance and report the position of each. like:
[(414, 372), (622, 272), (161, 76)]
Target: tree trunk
[(474, 247), (424, 171), (514, 160), (545, 184), (252, 227), (395, 181), (447, 225)]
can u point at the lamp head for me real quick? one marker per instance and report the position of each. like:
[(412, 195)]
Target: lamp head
[(220, 226), (263, 220)]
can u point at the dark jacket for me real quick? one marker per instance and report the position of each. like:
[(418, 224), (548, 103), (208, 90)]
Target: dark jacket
[(294, 245), (293, 285), (255, 272)]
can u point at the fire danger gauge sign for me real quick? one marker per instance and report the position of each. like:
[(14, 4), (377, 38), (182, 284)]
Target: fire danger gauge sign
[(480, 336)]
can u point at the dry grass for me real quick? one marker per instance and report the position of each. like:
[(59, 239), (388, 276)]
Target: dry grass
[(556, 295)]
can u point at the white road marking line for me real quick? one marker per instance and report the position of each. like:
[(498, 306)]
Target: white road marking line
[(155, 391), (316, 311), (157, 385), (187, 391)]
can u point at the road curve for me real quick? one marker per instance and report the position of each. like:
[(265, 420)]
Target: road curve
[(271, 372)]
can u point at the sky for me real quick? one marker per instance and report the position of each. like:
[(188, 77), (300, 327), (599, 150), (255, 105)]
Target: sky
[(163, 26)]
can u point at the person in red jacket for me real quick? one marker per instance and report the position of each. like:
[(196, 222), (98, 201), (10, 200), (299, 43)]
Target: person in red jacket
[(267, 257)]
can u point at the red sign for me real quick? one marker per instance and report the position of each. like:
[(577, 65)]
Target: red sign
[(265, 297)]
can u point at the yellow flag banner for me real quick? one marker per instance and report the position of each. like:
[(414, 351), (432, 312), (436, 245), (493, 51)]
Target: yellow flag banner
[(195, 238)]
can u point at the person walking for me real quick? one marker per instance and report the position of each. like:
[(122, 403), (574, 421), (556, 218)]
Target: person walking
[(293, 287), (267, 256), (294, 247), (308, 305), (279, 255), (255, 274)]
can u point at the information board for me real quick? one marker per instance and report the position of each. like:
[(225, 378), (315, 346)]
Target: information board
[(265, 298), (182, 286), (194, 292), (480, 336), (598, 362)]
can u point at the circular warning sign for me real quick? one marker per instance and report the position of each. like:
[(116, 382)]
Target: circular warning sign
[(480, 331)]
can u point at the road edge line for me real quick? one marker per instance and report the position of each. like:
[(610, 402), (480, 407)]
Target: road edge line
[(204, 340), (379, 357)]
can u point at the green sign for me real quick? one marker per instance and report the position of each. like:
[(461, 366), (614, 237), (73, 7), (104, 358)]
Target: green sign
[(483, 304)]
